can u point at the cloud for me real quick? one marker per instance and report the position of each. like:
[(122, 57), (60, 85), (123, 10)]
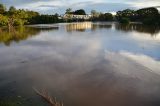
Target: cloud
[(50, 6), (125, 61), (146, 61), (53, 6)]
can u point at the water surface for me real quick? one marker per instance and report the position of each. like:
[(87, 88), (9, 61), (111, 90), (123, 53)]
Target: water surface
[(82, 64)]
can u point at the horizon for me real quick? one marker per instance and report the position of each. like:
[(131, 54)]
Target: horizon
[(59, 6)]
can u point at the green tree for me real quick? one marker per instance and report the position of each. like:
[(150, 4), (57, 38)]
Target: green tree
[(2, 9), (12, 10), (105, 17), (148, 16), (3, 20), (80, 12), (94, 13), (127, 13), (124, 21), (68, 11)]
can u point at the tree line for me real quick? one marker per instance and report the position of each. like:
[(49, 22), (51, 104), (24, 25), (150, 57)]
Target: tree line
[(15, 17), (76, 12), (149, 16)]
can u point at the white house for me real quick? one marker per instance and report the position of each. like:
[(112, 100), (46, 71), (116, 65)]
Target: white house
[(72, 16)]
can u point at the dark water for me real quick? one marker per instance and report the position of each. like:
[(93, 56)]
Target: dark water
[(81, 64)]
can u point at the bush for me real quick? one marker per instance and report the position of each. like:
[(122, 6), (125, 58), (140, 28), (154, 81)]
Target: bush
[(18, 22), (3, 20), (151, 21), (124, 21)]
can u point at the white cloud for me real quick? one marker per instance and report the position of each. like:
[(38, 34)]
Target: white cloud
[(146, 61), (61, 5), (129, 63)]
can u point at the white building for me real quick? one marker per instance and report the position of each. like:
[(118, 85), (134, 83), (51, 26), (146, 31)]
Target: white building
[(72, 16)]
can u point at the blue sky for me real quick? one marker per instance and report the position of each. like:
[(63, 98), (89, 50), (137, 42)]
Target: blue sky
[(59, 6)]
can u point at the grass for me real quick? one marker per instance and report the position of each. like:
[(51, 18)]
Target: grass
[(48, 98)]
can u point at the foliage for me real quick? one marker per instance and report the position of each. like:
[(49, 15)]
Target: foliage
[(76, 12), (2, 9), (13, 16), (130, 14), (124, 21), (147, 13), (12, 10), (106, 17), (69, 10), (158, 20), (102, 17), (148, 16), (18, 22), (80, 12), (3, 20), (20, 17), (44, 19)]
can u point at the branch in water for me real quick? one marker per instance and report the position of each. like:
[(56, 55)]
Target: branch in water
[(48, 98)]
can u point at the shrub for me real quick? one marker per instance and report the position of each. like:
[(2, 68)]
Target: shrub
[(3, 20), (18, 22), (151, 21), (124, 21)]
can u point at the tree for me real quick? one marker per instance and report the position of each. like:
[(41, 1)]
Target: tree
[(94, 13), (106, 17), (12, 9), (2, 9), (80, 12), (69, 10), (124, 21), (3, 20), (127, 13), (148, 16)]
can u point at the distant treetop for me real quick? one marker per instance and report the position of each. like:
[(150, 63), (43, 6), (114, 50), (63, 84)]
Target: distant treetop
[(76, 12)]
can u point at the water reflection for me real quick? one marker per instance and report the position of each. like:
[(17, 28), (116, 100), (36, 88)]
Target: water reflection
[(153, 30), (78, 26), (83, 26), (45, 27), (101, 26), (108, 68), (20, 33)]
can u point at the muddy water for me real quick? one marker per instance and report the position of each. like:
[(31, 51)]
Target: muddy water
[(81, 64)]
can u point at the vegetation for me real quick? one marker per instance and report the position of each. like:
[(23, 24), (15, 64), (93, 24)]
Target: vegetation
[(69, 10), (80, 12), (124, 20), (3, 20), (19, 17), (44, 19), (77, 12), (149, 16), (96, 16), (2, 9), (14, 17)]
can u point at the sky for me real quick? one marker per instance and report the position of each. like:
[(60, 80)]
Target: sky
[(59, 6)]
